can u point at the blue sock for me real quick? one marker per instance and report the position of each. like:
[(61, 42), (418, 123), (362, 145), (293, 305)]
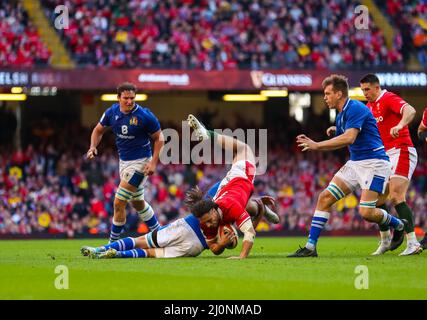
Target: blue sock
[(116, 230), (318, 222), (120, 245), (148, 216), (135, 253), (390, 220)]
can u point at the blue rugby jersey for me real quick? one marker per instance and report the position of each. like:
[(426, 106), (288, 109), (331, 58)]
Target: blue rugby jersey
[(368, 143), (132, 130)]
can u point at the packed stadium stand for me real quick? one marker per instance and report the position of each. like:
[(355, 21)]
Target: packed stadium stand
[(410, 20), (218, 35), (20, 44)]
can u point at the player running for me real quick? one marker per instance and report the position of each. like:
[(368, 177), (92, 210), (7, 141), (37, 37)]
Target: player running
[(368, 168), (133, 127), (422, 135), (181, 238), (393, 114), (229, 203)]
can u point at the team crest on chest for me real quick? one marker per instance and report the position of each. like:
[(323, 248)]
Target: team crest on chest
[(133, 121)]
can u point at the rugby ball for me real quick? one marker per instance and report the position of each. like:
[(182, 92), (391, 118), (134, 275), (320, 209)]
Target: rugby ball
[(225, 229)]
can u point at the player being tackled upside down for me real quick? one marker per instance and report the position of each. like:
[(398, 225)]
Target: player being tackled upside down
[(393, 114), (368, 168), (228, 204), (181, 238)]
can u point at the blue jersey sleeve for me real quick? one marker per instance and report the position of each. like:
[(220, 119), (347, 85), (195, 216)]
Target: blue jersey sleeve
[(355, 117), (152, 124), (105, 119)]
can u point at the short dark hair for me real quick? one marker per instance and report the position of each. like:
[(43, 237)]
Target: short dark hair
[(125, 86), (338, 82), (370, 78), (197, 203)]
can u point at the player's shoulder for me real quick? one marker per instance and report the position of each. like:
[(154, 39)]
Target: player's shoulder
[(388, 95), (357, 106), (141, 109), (112, 109)]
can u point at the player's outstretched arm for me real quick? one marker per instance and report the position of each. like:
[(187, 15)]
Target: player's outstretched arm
[(341, 141), (95, 139), (248, 239)]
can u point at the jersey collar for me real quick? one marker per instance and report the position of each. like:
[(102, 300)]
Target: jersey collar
[(346, 104), (381, 94), (135, 107)]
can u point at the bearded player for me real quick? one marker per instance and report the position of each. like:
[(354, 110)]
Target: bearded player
[(393, 114), (228, 204), (181, 238), (422, 135)]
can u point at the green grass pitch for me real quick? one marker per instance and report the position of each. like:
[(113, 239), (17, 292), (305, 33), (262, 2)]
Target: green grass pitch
[(27, 271)]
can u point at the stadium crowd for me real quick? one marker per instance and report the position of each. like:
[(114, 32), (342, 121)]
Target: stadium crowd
[(219, 34), (20, 43), (49, 187), (410, 19)]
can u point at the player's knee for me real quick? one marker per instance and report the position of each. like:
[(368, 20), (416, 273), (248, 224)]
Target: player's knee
[(123, 196), (396, 197), (367, 213), (325, 200)]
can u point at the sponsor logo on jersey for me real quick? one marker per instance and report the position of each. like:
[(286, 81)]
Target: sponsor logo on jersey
[(133, 121), (379, 119)]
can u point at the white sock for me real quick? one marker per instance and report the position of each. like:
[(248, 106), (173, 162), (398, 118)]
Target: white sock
[(411, 238), (310, 246), (385, 236)]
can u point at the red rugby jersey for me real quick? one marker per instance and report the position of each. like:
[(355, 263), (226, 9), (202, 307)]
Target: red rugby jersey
[(387, 110), (424, 121)]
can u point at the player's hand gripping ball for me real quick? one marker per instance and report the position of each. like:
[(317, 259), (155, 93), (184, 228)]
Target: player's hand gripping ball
[(226, 229)]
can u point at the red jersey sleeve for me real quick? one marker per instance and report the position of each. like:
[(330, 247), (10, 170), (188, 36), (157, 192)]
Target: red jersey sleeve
[(395, 103), (424, 121), (237, 214)]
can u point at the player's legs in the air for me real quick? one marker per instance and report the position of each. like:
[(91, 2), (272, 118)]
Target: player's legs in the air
[(336, 190), (241, 151), (259, 207)]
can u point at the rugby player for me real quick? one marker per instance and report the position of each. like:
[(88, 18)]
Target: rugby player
[(393, 115), (368, 168), (133, 126)]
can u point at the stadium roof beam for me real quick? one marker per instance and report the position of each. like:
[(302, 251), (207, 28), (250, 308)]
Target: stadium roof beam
[(244, 97), (281, 93), (113, 97), (12, 97)]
